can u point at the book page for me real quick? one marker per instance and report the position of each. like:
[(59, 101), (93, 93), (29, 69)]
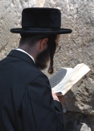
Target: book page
[(60, 78), (66, 78), (80, 71)]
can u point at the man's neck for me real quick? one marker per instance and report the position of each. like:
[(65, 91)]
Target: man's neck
[(19, 49), (30, 50)]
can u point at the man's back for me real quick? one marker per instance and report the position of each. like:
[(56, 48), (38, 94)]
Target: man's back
[(25, 100), (15, 75)]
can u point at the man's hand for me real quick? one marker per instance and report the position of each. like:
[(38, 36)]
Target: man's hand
[(55, 96), (58, 98)]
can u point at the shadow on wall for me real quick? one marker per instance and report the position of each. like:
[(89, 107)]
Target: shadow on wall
[(78, 122)]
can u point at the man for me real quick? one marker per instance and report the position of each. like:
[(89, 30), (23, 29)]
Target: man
[(26, 100)]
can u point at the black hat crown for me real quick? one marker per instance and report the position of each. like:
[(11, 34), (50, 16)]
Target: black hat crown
[(48, 18), (41, 21)]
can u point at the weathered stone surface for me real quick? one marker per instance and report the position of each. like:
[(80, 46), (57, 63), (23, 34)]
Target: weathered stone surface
[(76, 48), (10, 17)]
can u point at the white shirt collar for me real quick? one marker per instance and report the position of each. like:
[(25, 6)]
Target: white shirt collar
[(25, 53)]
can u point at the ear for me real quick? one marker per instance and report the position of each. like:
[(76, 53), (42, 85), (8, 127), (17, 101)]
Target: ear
[(43, 44)]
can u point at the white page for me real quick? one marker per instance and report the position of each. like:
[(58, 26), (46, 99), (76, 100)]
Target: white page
[(56, 80), (67, 77), (76, 77)]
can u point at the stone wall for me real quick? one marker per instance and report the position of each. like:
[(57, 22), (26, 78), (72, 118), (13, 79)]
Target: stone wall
[(76, 48)]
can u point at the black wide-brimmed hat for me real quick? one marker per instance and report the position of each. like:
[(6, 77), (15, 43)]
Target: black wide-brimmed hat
[(41, 21)]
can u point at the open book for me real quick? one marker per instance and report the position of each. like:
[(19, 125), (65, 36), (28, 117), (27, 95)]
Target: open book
[(66, 78)]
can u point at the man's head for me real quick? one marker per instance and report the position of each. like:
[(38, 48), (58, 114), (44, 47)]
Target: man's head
[(40, 27), (41, 47)]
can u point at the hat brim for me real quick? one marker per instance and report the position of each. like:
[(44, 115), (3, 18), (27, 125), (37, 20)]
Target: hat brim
[(41, 31)]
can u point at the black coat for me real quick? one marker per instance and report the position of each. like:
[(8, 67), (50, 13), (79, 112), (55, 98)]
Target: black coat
[(26, 103)]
